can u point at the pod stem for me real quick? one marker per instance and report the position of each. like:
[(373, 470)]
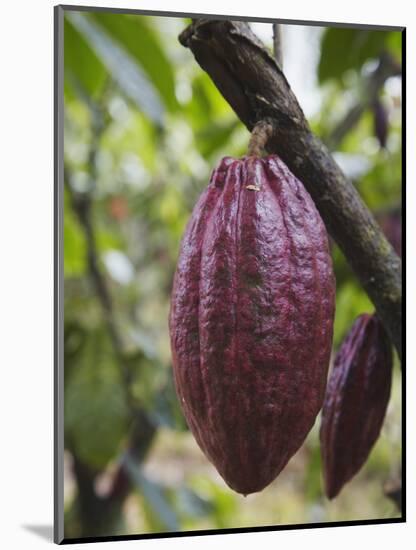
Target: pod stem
[(260, 135)]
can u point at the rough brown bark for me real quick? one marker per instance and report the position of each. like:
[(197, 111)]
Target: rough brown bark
[(253, 84)]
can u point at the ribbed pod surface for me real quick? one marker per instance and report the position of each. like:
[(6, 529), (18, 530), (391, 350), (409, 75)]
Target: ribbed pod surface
[(356, 401), (251, 319)]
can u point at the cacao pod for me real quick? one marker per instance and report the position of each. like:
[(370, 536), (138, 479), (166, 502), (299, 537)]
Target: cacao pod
[(356, 400), (251, 319), (391, 224), (381, 122)]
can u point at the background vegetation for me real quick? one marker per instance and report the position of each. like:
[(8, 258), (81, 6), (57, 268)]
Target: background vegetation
[(144, 127)]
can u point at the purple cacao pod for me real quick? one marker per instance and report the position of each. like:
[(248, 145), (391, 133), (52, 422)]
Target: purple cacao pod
[(381, 122), (391, 224), (251, 319), (356, 400)]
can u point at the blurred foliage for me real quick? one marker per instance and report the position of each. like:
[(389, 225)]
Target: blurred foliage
[(144, 127), (344, 49), (93, 391)]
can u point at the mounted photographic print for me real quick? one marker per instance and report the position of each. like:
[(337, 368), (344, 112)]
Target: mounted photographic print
[(228, 266)]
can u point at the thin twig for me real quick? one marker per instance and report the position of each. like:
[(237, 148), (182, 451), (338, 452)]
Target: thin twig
[(371, 86), (82, 205), (101, 511), (277, 44)]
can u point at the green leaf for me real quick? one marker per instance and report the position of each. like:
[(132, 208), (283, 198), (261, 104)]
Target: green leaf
[(107, 240), (215, 136), (344, 49), (313, 477), (74, 243), (351, 301), (125, 71), (82, 66), (95, 409), (164, 408), (199, 108), (192, 505), (395, 44), (222, 500), (207, 103), (74, 340), (382, 185), (142, 42), (154, 494)]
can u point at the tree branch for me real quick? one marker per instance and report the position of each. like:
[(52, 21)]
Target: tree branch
[(81, 204), (100, 515), (253, 84)]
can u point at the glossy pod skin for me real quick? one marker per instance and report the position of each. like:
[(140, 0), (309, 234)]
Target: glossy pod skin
[(356, 401), (251, 319)]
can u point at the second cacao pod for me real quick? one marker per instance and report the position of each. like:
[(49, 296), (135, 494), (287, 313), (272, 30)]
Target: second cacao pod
[(251, 319), (355, 402), (391, 224)]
